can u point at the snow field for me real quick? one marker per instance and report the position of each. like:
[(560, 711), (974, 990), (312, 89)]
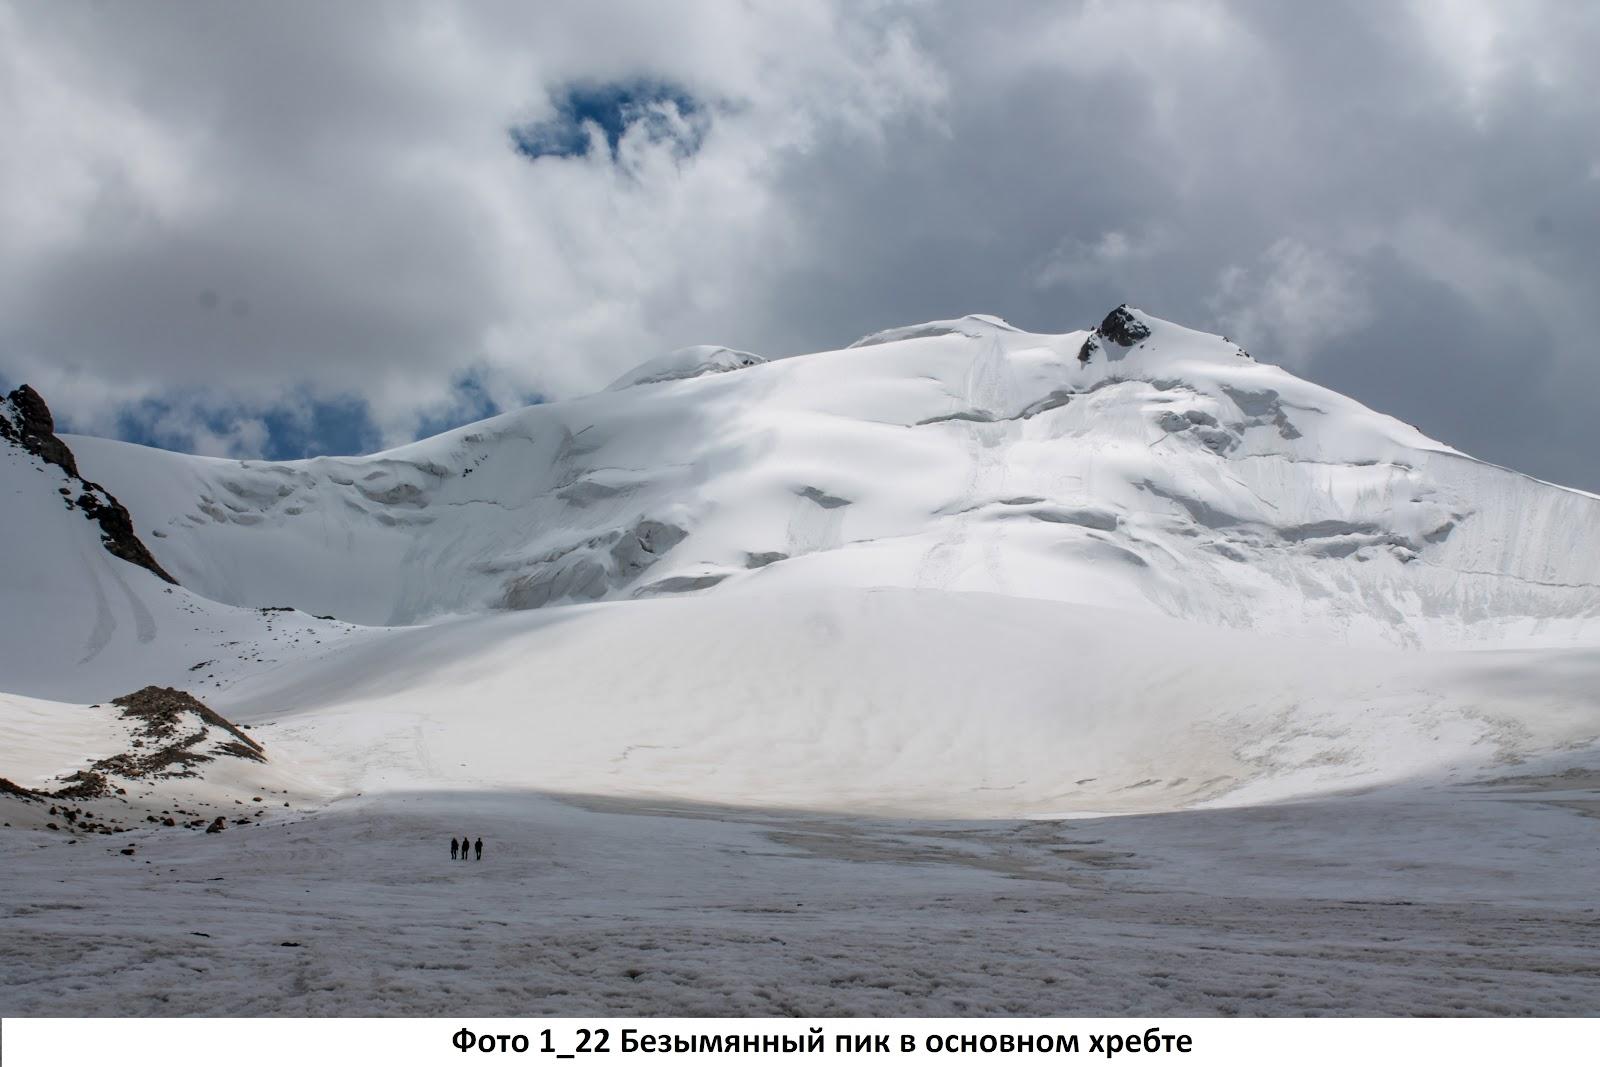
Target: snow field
[(1461, 901)]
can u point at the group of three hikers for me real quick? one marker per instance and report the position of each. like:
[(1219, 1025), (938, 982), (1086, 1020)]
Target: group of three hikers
[(466, 846)]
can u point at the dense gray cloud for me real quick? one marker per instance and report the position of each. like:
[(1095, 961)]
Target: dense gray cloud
[(252, 219)]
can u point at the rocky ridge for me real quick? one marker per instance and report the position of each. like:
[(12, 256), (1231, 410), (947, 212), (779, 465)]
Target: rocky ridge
[(26, 422)]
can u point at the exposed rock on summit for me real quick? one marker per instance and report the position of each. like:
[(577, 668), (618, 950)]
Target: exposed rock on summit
[(1120, 327)]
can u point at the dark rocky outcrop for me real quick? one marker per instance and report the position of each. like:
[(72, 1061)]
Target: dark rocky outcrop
[(31, 425), (25, 421), (1120, 327), (160, 710), (162, 748), (8, 788), (166, 743)]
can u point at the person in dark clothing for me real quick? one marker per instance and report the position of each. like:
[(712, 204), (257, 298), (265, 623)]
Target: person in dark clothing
[(477, 847), (463, 846), (452, 848)]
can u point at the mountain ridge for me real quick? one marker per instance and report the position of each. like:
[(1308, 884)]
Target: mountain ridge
[(1174, 468)]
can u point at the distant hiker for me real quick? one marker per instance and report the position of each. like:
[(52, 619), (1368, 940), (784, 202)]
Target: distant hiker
[(452, 848), (477, 846), (464, 846)]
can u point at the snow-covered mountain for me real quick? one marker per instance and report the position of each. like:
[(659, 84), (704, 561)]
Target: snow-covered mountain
[(955, 566), (1146, 467)]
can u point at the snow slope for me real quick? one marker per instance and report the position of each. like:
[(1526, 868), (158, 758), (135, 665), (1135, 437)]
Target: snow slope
[(903, 702), (957, 571), (80, 624), (1174, 476), (956, 568)]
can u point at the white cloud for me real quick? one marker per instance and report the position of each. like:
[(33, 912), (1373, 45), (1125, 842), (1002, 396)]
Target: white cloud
[(347, 175), (340, 179), (1292, 300), (1485, 48), (1107, 257)]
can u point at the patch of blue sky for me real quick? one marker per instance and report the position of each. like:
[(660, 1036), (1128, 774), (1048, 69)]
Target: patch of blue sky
[(663, 111), (339, 426), (471, 401), (303, 427)]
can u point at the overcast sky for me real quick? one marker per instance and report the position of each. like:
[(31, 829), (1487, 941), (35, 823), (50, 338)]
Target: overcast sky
[(281, 229)]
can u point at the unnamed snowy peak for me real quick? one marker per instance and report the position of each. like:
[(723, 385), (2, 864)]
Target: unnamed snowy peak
[(1167, 473), (1051, 527)]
